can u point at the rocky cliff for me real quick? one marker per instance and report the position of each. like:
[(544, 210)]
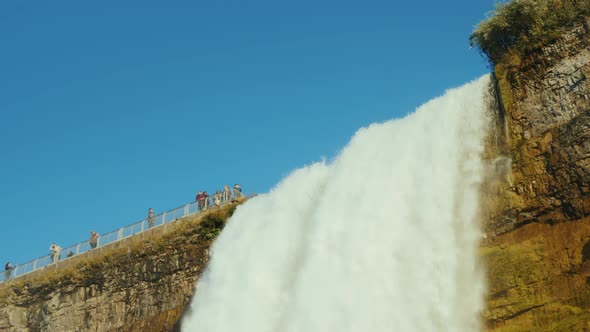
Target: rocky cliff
[(142, 283), (538, 229)]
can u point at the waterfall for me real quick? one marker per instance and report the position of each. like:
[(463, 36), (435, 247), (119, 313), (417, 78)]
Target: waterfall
[(384, 238)]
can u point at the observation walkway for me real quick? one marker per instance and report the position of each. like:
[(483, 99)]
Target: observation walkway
[(82, 248)]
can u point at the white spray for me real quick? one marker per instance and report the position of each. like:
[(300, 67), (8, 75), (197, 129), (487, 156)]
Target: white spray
[(382, 239)]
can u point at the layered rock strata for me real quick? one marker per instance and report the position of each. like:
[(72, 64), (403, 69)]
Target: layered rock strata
[(142, 283), (537, 245)]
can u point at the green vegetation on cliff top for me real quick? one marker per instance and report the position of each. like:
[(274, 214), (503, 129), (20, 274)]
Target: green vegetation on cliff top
[(519, 27)]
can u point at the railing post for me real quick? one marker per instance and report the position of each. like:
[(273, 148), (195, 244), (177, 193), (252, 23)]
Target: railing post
[(164, 218), (186, 210), (78, 249), (15, 269), (98, 242), (142, 225), (120, 233), (35, 264)]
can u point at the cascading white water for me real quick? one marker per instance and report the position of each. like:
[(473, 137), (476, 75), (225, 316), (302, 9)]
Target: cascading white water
[(382, 239)]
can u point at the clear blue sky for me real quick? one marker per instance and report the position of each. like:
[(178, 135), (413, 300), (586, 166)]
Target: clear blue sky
[(110, 107)]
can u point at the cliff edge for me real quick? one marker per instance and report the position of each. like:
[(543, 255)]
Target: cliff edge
[(142, 283), (537, 234)]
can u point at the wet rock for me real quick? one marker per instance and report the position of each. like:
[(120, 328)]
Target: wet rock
[(538, 249)]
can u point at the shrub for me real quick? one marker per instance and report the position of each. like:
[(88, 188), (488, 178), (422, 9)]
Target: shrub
[(212, 233), (519, 27)]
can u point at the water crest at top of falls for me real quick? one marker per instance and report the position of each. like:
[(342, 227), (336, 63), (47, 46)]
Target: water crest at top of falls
[(384, 238)]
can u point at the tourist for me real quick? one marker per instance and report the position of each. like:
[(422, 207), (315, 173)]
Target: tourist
[(217, 198), (151, 218), (237, 191), (93, 239), (226, 193), (7, 269), (200, 200), (205, 200), (55, 251)]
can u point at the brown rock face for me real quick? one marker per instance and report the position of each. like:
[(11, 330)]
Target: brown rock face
[(142, 283), (538, 234), (548, 129), (539, 278)]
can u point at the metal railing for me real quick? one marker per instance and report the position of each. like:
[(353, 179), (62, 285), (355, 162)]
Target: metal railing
[(117, 235)]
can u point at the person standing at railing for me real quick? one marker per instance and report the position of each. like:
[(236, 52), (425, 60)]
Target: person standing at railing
[(93, 239), (226, 193), (7, 269), (151, 218), (205, 200), (237, 191), (55, 251), (200, 200), (217, 198)]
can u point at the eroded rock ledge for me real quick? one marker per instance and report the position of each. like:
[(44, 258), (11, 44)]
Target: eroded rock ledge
[(143, 283)]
